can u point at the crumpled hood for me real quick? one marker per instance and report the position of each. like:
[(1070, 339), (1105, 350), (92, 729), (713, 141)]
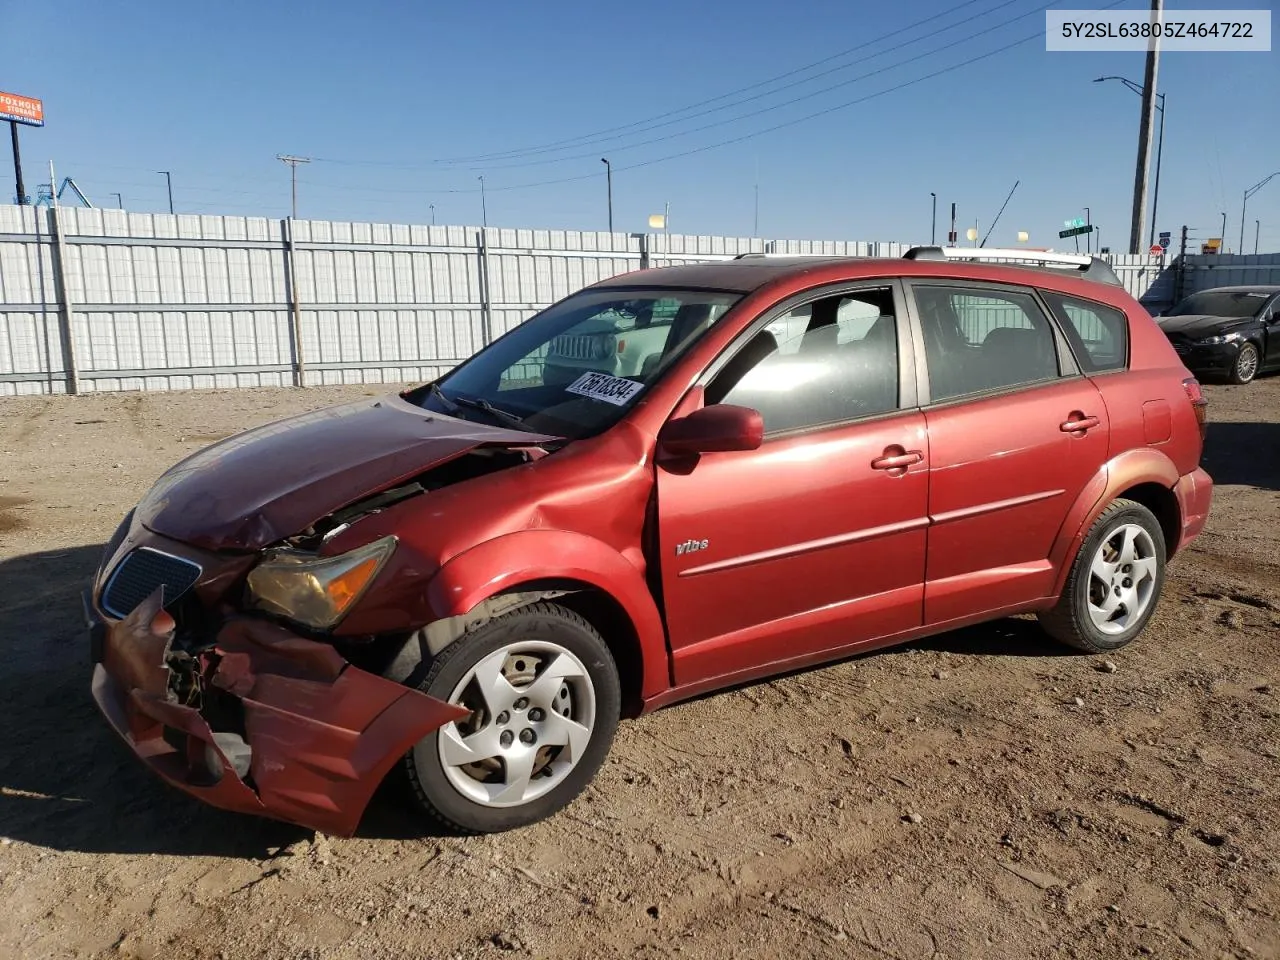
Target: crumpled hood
[(1199, 325), (257, 487)]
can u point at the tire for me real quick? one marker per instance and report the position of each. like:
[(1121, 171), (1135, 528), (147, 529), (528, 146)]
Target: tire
[(1246, 366), (1107, 600), (481, 774)]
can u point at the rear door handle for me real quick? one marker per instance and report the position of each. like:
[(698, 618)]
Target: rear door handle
[(897, 461), (1078, 425)]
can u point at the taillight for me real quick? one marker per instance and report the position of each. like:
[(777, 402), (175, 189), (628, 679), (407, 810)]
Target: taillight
[(622, 345), (1199, 403)]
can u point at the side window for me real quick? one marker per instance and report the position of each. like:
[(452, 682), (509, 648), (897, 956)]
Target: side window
[(977, 340), (1100, 335), (832, 360)]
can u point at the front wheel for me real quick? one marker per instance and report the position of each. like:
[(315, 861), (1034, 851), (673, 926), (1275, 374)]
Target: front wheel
[(544, 697), (1246, 366), (1114, 584)]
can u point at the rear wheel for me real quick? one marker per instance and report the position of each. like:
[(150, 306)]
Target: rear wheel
[(1115, 581), (1246, 366), (544, 699)]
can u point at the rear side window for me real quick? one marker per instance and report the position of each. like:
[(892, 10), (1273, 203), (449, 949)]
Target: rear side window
[(978, 340), (1099, 335)]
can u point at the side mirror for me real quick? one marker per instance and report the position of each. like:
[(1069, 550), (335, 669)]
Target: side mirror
[(720, 428)]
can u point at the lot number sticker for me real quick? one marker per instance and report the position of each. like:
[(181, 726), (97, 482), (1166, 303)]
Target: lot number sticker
[(606, 387)]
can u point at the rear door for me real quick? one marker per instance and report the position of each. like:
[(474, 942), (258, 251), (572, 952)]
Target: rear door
[(814, 541), (1016, 431)]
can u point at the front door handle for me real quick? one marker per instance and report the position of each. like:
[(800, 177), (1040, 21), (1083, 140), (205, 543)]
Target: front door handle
[(896, 459), (1079, 423)]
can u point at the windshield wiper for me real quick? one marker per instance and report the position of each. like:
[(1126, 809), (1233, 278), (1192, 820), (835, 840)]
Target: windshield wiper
[(435, 391), (498, 414)]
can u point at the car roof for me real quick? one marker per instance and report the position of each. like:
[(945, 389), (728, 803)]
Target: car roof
[(747, 274), (1248, 288)]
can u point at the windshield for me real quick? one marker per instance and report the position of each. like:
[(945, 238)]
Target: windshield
[(575, 368), (1221, 303)]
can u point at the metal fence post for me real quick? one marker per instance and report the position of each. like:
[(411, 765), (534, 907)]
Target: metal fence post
[(486, 304), (65, 312), (295, 324), (644, 250)]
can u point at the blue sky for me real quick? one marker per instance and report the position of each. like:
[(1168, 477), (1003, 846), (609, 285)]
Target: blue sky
[(213, 91)]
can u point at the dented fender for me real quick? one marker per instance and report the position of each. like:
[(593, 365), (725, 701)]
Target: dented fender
[(539, 556)]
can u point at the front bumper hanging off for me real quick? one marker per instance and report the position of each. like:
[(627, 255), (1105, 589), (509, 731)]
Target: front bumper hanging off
[(313, 735)]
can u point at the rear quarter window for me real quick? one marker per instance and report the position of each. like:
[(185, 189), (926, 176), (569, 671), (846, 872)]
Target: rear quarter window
[(1099, 335)]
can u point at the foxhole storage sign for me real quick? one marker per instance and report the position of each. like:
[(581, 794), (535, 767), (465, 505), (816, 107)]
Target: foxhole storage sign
[(19, 109)]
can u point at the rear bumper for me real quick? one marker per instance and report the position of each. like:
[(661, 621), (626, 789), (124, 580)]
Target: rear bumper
[(312, 735), (1195, 496)]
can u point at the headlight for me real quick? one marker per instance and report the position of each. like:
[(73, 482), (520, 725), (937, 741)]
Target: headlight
[(316, 591), (1223, 338)]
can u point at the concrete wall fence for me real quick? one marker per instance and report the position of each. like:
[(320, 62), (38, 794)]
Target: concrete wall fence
[(94, 299)]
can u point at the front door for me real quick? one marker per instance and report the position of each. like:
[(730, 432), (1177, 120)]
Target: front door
[(815, 541), (1015, 435)]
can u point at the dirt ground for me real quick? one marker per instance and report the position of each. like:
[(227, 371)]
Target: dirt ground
[(982, 794)]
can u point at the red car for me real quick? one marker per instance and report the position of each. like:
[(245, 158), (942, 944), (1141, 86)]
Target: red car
[(476, 578)]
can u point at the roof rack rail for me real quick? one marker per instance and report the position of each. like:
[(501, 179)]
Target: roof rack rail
[(789, 256), (1088, 267)]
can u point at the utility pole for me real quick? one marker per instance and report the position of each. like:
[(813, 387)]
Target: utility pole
[(168, 179), (1146, 129), (951, 236), (17, 164), (933, 230), (1247, 194), (608, 169), (1182, 265), (293, 176)]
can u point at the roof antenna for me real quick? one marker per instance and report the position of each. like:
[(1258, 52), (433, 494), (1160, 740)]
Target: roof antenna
[(997, 219)]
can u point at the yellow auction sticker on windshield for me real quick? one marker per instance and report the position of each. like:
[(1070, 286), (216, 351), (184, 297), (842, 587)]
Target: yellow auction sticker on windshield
[(606, 387)]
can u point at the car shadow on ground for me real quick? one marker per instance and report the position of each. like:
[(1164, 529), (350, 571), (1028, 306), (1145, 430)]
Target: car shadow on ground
[(1243, 453), (67, 782)]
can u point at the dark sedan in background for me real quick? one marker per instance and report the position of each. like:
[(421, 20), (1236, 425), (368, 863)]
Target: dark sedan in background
[(1231, 332)]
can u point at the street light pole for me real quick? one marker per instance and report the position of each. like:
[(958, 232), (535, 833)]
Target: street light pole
[(119, 201), (1223, 232), (933, 230), (608, 170), (1155, 195), (293, 176), (1257, 229), (433, 213), (1088, 237), (484, 210), (1249, 193), (168, 179)]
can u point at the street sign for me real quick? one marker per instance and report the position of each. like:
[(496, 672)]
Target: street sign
[(1071, 224), (1157, 249), (1076, 231), (1164, 241), (19, 109)]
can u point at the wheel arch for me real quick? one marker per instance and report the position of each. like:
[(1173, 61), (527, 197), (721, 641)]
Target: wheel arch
[(577, 571), (1146, 475)]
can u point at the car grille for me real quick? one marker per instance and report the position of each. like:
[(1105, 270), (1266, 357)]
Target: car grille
[(137, 576)]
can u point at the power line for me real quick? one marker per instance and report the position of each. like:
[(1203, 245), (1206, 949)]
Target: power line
[(650, 125), (661, 116), (786, 103)]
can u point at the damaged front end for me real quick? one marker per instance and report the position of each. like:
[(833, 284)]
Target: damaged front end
[(259, 720)]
